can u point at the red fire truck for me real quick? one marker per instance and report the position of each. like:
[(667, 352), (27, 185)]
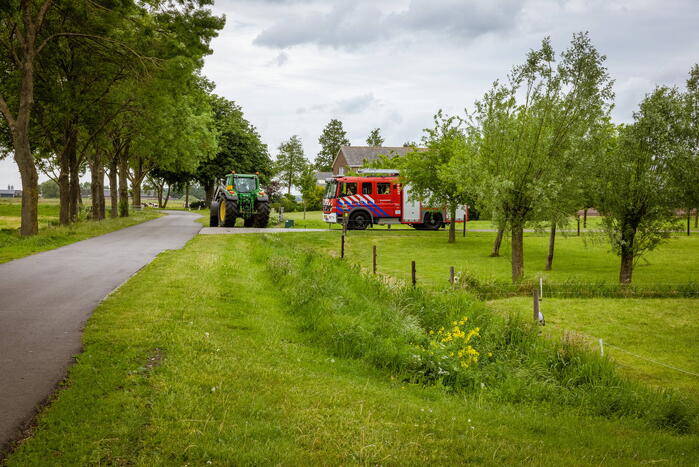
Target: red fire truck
[(379, 198)]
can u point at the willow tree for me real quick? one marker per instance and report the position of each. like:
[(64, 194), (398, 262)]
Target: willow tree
[(637, 195), (525, 130)]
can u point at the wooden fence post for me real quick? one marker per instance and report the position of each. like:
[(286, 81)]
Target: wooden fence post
[(373, 254), (536, 304), (342, 248), (465, 217), (578, 226), (451, 276), (412, 269)]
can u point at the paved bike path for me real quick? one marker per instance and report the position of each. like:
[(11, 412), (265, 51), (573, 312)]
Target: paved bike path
[(46, 298)]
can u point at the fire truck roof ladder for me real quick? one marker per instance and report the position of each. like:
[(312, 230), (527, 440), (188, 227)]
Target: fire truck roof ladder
[(379, 171)]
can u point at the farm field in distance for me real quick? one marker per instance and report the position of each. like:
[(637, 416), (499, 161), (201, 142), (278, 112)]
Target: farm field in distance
[(223, 373), (51, 235)]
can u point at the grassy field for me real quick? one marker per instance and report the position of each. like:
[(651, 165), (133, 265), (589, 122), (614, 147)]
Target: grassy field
[(663, 330), (50, 236), (585, 259), (197, 360)]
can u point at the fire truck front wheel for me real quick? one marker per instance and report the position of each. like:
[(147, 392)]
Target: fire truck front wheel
[(359, 220)]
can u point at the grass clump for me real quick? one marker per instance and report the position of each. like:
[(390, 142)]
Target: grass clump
[(453, 341)]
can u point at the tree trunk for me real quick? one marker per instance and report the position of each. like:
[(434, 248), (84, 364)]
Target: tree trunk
[(696, 218), (113, 189), (30, 190), (517, 252), (75, 196), (552, 242), (585, 218), (123, 186), (452, 224), (689, 221), (64, 191), (498, 242), (94, 187), (19, 125), (167, 197), (628, 235), (208, 193), (186, 195), (100, 192), (136, 189), (159, 190)]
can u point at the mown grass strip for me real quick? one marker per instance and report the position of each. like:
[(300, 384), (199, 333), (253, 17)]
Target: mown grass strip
[(197, 360)]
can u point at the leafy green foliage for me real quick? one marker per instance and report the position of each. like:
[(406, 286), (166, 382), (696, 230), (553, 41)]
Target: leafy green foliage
[(291, 162), (526, 131), (375, 139), (331, 139), (240, 147), (637, 195)]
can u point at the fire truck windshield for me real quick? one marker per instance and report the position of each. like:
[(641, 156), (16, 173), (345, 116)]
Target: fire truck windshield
[(330, 190)]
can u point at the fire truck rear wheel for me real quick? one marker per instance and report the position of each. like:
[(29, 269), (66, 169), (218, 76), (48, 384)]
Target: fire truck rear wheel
[(433, 221), (359, 220)]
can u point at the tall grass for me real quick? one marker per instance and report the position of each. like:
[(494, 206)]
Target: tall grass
[(489, 289), (454, 341)]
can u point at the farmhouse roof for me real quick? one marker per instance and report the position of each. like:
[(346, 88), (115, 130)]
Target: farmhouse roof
[(356, 155), (323, 175)]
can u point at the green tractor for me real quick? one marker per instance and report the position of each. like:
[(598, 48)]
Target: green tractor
[(241, 196)]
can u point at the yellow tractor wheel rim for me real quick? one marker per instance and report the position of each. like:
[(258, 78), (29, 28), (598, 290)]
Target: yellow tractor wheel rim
[(222, 211)]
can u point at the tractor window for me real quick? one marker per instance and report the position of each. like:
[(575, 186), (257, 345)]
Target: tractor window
[(245, 185), (383, 188), (349, 189), (366, 188)]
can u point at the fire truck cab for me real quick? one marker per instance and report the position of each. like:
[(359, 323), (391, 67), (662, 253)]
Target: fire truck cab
[(379, 198)]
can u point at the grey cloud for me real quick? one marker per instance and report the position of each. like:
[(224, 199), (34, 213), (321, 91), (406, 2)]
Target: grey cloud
[(351, 24), (282, 58), (353, 105)]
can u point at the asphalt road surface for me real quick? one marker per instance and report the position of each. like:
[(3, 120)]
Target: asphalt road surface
[(46, 298)]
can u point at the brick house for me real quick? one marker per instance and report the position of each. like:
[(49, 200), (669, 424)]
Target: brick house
[(353, 157)]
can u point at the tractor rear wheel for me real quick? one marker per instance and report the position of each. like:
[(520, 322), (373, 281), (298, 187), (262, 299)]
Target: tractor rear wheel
[(227, 212), (261, 214), (248, 222), (359, 220), (213, 214)]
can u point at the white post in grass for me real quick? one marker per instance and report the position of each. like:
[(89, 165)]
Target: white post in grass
[(601, 347)]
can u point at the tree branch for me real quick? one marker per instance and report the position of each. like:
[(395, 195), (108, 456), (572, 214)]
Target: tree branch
[(7, 113)]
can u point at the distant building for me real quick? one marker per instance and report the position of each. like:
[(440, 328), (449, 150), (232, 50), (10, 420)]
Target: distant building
[(321, 177), (353, 157), (10, 192)]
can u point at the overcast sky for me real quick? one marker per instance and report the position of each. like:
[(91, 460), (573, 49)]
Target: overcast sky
[(295, 64)]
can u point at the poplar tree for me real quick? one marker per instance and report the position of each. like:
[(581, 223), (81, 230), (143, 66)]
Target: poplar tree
[(331, 140), (375, 139), (291, 162)]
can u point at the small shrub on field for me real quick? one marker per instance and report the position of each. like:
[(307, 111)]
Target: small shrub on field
[(452, 340)]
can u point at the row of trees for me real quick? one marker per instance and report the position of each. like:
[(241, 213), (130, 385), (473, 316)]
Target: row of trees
[(540, 146), (115, 88)]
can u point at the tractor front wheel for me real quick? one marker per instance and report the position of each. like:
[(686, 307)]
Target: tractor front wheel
[(213, 214), (261, 214), (227, 212)]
